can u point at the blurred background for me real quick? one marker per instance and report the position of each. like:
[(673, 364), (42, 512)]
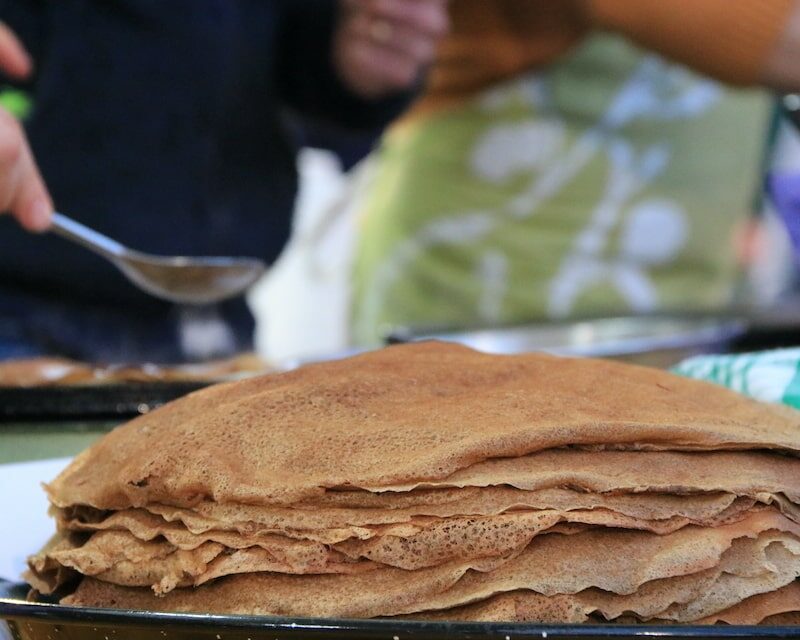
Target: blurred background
[(402, 169), (245, 186)]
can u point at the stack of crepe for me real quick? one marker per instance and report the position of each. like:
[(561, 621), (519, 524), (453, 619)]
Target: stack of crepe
[(434, 482), (62, 372)]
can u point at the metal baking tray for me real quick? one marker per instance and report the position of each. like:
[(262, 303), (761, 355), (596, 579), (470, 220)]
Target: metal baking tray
[(90, 401), (40, 621), (653, 340)]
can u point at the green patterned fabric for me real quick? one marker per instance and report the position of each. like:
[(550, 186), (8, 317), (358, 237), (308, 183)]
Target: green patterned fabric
[(612, 182), (771, 376)]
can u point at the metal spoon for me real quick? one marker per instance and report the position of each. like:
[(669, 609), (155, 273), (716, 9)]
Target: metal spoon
[(173, 278)]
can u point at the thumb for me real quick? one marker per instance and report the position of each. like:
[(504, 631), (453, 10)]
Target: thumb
[(32, 205), (22, 190)]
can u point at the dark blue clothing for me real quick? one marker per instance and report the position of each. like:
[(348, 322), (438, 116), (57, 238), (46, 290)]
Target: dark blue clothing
[(161, 124)]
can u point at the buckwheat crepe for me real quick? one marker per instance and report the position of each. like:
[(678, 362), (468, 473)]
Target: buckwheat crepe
[(145, 551), (743, 473), (332, 526), (613, 561), (653, 601), (402, 415)]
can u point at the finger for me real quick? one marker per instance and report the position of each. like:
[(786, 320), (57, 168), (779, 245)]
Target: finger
[(428, 17), (32, 205), (400, 38), (22, 190), (14, 59), (381, 69)]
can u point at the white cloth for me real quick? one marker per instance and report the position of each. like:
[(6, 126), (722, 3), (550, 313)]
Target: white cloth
[(24, 523)]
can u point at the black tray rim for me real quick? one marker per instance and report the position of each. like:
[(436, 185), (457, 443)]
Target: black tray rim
[(13, 608), (87, 402)]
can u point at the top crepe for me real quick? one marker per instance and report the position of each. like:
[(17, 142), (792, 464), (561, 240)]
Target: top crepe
[(402, 415)]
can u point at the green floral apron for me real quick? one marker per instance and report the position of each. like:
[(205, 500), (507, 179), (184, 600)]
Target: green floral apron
[(610, 183)]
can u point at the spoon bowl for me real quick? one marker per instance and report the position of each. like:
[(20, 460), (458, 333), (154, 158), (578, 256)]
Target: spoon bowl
[(174, 278)]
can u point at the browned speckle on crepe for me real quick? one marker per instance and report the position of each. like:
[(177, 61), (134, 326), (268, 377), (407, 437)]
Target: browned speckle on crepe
[(399, 415)]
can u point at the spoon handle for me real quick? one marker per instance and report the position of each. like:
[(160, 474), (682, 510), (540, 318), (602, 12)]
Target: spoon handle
[(88, 238)]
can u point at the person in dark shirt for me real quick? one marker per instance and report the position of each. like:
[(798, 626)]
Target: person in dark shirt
[(163, 125)]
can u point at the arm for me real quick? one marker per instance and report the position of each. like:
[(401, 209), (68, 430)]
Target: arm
[(355, 62), (742, 42)]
